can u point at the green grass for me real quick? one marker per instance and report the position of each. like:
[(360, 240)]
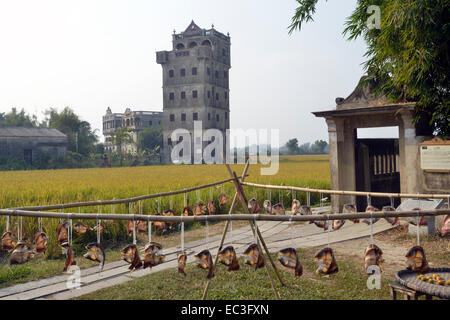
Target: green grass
[(248, 284)]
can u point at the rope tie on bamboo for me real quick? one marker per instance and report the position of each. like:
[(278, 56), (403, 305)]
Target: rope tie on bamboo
[(255, 233), (182, 235), (418, 228), (328, 230), (371, 227), (369, 201), (292, 231)]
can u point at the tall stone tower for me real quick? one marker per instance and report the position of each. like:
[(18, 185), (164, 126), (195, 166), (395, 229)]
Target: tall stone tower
[(195, 83)]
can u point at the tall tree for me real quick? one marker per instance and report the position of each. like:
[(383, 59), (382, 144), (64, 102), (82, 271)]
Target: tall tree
[(18, 119), (120, 137), (292, 146), (81, 137), (408, 55), (149, 139)]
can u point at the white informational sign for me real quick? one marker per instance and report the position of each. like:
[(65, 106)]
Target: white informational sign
[(435, 157)]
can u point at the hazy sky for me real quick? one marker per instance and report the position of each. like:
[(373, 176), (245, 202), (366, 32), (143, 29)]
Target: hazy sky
[(91, 54)]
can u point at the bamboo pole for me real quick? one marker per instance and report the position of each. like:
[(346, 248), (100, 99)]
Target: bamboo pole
[(225, 229), (116, 201), (244, 203), (353, 193), (225, 217)]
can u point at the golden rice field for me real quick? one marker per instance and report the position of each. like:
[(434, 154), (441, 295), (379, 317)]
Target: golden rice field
[(28, 188)]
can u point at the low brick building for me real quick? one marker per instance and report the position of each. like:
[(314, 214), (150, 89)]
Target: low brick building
[(29, 144)]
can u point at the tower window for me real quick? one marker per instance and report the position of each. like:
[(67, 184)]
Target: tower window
[(225, 74), (217, 74), (226, 115), (209, 94), (195, 116), (171, 73), (194, 71), (150, 123), (217, 96), (217, 117), (169, 142), (183, 72), (194, 94), (171, 96), (183, 117), (223, 52), (172, 117), (208, 71), (226, 95), (183, 95), (180, 46), (209, 116)]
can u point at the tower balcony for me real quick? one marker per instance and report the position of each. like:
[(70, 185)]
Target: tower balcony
[(162, 57)]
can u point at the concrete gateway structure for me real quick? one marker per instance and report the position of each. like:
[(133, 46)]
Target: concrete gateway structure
[(378, 165), (195, 83)]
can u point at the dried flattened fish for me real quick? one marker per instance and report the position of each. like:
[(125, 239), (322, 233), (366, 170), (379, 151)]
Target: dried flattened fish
[(253, 206), (130, 254), (253, 256), (40, 242), (326, 263), (268, 206), (199, 209), (70, 259), (223, 199), (350, 208), (22, 253), (95, 253), (392, 221), (8, 241), (278, 209), (295, 207), (204, 261), (416, 260), (211, 207), (153, 255), (370, 209), (182, 263), (227, 256), (186, 212), (289, 259), (62, 232), (81, 228), (372, 257)]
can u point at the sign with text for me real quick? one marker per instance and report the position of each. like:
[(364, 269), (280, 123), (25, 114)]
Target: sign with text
[(435, 155)]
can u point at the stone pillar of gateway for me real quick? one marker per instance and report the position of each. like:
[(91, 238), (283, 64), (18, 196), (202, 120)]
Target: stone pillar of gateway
[(377, 165)]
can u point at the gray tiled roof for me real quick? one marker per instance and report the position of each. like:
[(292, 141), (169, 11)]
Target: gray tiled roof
[(30, 132)]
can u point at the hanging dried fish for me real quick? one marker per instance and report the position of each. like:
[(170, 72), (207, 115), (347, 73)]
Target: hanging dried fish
[(81, 228), (337, 224), (392, 221), (95, 253), (141, 226), (8, 241), (223, 199), (129, 227), (295, 207), (99, 228), (130, 254), (373, 257), (211, 207), (350, 208), (22, 253), (228, 257), (370, 209), (40, 242), (289, 259), (323, 224), (253, 256), (422, 220), (204, 261), (326, 263), (186, 212), (70, 259), (416, 259), (305, 210), (199, 209), (160, 225), (62, 232), (153, 255), (253, 206), (182, 263), (169, 213), (278, 209), (268, 206)]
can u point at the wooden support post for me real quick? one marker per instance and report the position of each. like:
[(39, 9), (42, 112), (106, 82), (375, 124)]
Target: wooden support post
[(225, 229), (255, 229)]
